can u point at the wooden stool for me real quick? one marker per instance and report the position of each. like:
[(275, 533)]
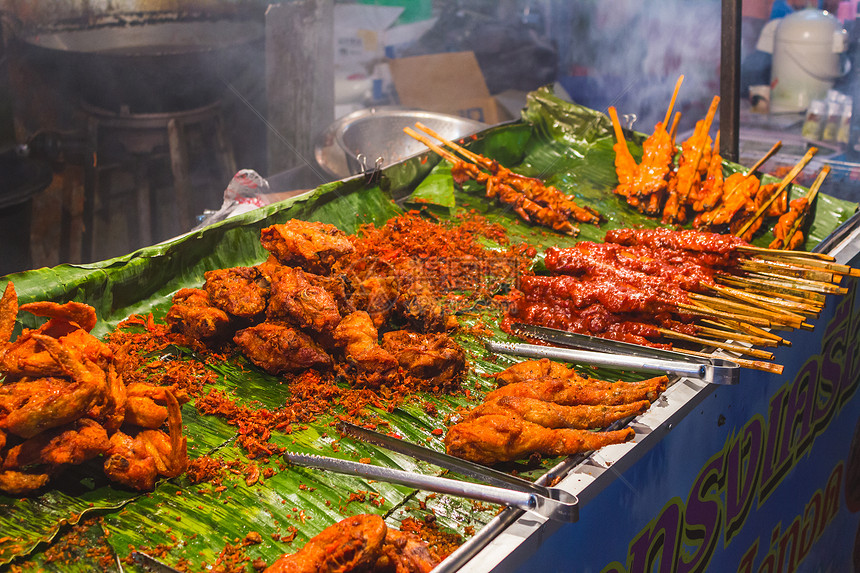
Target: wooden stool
[(131, 145)]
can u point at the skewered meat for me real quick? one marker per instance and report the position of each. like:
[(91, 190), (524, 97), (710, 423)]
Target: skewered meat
[(366, 361), (314, 247), (798, 208), (277, 348), (240, 291), (551, 415), (502, 438), (662, 238)]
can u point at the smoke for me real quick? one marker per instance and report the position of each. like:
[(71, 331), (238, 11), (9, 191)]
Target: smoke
[(632, 52)]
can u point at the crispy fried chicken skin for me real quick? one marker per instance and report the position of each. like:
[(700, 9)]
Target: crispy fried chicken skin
[(404, 552), (503, 438), (370, 364), (584, 391), (277, 348), (551, 415), (193, 315), (432, 356), (294, 299), (353, 544), (315, 247), (532, 370), (240, 291)]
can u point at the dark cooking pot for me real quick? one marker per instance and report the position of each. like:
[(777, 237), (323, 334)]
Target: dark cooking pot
[(150, 62)]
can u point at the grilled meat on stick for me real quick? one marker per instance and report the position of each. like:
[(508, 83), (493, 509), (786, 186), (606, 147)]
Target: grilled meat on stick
[(788, 230)]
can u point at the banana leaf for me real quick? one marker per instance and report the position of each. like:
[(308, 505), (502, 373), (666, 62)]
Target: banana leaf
[(193, 525)]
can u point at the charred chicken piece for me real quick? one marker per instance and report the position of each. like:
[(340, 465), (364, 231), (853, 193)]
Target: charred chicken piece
[(353, 544), (193, 315), (294, 299), (434, 357), (240, 291), (367, 362), (315, 247), (277, 348), (502, 438), (378, 296), (76, 443)]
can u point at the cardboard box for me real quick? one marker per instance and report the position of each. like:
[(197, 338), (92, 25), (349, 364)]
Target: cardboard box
[(449, 82)]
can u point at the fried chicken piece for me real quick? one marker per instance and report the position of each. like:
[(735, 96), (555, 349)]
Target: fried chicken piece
[(434, 357), (353, 544), (550, 415), (277, 348), (19, 483), (405, 552), (503, 438), (8, 314), (422, 310), (532, 370), (137, 461), (338, 287), (109, 408), (572, 392), (74, 444), (240, 291), (367, 362), (79, 313), (315, 247), (193, 315), (378, 296), (28, 407), (294, 299)]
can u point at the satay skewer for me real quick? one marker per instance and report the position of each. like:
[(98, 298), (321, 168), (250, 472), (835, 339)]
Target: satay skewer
[(786, 181), (736, 336), (752, 364), (769, 302), (672, 101), (764, 158), (810, 198), (775, 316), (443, 153), (748, 328)]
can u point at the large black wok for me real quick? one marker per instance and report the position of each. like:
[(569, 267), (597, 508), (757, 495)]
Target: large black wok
[(150, 62)]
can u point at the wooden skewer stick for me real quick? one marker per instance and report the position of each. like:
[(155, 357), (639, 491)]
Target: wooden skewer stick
[(761, 161), (737, 337), (702, 311), (808, 263), (766, 301), (803, 284), (674, 129), (752, 364), (788, 271), (441, 152), (763, 354), (775, 316), (810, 197), (771, 289), (745, 327), (786, 181), (780, 253), (672, 101), (473, 157)]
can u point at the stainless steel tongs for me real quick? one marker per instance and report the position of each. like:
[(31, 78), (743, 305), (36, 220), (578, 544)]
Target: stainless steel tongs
[(603, 352), (504, 489)]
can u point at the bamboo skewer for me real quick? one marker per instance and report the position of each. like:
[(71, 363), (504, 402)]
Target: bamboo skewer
[(749, 328), (752, 364), (448, 156), (775, 316), (767, 302), (781, 253), (729, 335), (763, 354), (803, 284), (787, 271), (704, 311), (810, 197), (764, 158), (808, 263), (672, 101), (786, 181)]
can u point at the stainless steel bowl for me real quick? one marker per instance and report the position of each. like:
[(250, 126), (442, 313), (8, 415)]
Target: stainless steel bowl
[(365, 138)]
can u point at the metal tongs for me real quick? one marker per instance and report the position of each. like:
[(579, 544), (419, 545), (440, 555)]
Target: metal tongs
[(603, 352), (504, 489)]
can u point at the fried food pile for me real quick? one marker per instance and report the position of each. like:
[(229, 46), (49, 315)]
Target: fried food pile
[(362, 543), (543, 407), (311, 304), (63, 402)]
